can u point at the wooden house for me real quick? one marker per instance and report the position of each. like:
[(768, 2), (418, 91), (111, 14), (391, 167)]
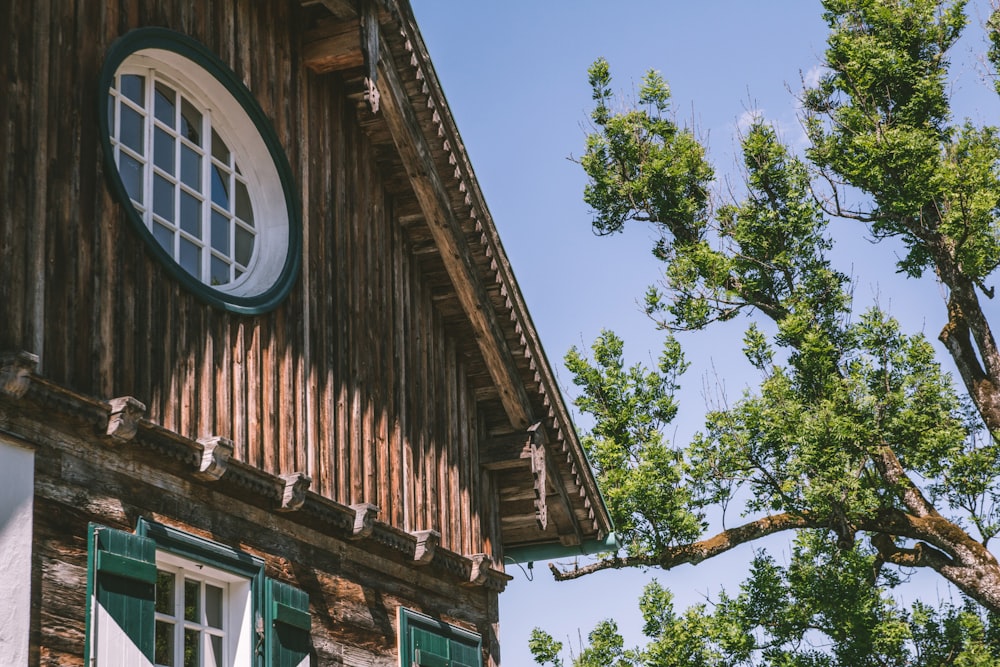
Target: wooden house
[(269, 393)]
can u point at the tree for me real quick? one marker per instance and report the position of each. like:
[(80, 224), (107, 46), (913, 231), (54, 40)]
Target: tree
[(856, 439), (812, 613)]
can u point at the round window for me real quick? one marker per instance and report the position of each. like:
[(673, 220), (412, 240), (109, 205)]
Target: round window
[(200, 170)]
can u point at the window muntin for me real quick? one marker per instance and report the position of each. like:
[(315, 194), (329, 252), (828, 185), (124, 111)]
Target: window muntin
[(199, 169), (181, 175), (262, 619), (194, 619)]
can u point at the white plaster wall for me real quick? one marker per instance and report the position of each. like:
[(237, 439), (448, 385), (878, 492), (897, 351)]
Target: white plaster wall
[(17, 481)]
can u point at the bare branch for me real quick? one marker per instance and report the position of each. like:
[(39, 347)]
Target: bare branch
[(698, 551)]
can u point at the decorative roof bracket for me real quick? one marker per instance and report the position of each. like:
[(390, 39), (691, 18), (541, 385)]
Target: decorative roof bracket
[(370, 50), (15, 372)]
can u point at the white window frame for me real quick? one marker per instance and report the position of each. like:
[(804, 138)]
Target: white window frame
[(198, 74), (225, 115), (267, 621), (212, 123), (237, 622)]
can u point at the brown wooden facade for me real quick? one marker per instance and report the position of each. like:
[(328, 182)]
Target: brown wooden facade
[(401, 373)]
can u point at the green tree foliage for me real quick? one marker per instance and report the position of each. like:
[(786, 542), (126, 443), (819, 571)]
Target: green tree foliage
[(856, 440), (820, 611)]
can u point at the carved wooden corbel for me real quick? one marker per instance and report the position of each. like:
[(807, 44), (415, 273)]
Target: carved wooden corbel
[(364, 520), (427, 543), (369, 49), (539, 474), (371, 94), (123, 422), (482, 564), (215, 453), (294, 494), (15, 372)]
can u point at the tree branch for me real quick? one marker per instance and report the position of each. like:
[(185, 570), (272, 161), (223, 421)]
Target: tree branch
[(892, 471), (920, 555), (958, 335), (694, 553)]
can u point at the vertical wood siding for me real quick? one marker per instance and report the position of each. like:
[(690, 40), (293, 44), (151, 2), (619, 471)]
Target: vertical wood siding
[(354, 378)]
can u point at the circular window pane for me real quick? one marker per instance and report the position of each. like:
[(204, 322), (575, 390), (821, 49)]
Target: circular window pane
[(200, 170)]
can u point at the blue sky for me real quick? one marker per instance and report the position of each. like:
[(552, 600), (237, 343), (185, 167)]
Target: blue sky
[(515, 77)]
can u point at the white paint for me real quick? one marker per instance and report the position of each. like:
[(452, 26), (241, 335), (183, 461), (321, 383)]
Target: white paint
[(250, 152), (114, 648), (237, 603), (17, 488)]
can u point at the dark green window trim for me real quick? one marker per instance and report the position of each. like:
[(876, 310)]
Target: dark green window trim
[(201, 550), (428, 642), (169, 40)]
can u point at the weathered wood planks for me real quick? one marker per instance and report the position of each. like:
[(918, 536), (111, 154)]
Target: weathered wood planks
[(356, 378)]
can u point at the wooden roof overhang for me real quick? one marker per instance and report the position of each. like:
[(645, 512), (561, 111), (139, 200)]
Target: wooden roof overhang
[(547, 493)]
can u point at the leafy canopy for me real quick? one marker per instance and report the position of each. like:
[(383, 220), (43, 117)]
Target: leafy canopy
[(856, 439)]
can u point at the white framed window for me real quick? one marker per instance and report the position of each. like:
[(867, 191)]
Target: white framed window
[(200, 170), (181, 174), (203, 615), (161, 597)]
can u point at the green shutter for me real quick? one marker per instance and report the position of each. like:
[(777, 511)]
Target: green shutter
[(288, 623), (121, 585), (429, 649), (464, 655), (428, 642)]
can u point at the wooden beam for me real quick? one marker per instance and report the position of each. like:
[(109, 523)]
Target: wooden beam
[(370, 49), (574, 537), (555, 480), (215, 454), (333, 46), (539, 471), (293, 495), (427, 184), (364, 520), (427, 542), (123, 420), (15, 372), (341, 9), (530, 449), (511, 450)]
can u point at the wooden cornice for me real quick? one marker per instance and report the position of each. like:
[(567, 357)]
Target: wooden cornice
[(430, 191), (353, 41), (565, 449), (50, 415)]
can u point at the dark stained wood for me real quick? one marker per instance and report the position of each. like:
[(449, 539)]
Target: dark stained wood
[(332, 46), (510, 450), (571, 534), (355, 588), (401, 347), (351, 378)]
